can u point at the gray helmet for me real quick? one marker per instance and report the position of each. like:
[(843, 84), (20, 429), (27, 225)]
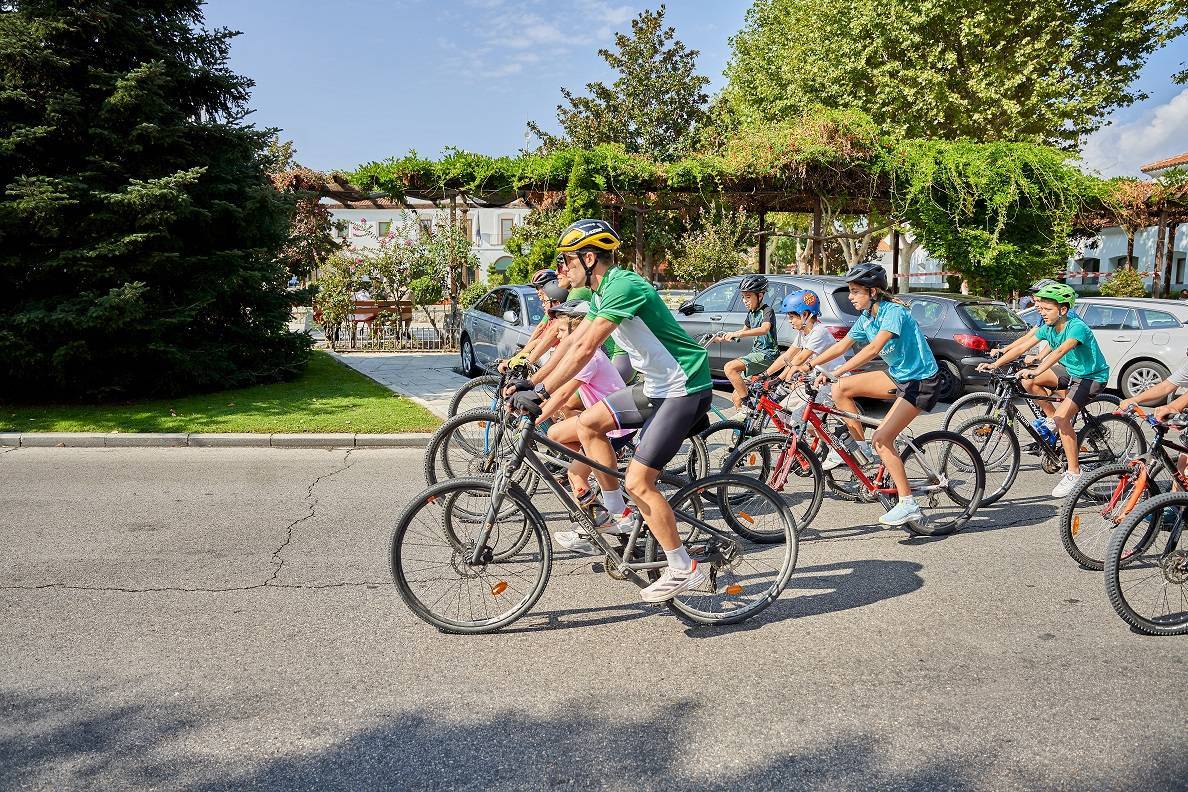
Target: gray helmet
[(571, 308), (1039, 284), (753, 283), (868, 274), (556, 292)]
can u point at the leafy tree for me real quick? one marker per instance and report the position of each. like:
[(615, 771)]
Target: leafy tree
[(652, 105), (139, 232), (311, 238), (1046, 71), (538, 235), (710, 251), (340, 279)]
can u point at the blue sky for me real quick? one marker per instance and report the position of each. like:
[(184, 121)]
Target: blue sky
[(358, 80)]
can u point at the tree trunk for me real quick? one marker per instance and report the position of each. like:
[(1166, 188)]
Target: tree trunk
[(1157, 276), (762, 240), (907, 249), (815, 243), (639, 242), (453, 266)]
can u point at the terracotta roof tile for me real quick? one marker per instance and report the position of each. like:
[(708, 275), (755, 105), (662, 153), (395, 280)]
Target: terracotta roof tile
[(1170, 162)]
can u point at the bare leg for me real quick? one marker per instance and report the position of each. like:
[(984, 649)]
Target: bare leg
[(869, 384), (641, 485), (566, 433), (593, 424), (734, 372), (1068, 438), (883, 442), (1041, 386)]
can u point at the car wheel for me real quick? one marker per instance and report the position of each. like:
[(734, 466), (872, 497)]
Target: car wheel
[(950, 384), (468, 362), (1137, 377)]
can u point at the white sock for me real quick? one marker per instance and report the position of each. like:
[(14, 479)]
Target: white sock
[(613, 500), (907, 501), (678, 559), (1050, 424)]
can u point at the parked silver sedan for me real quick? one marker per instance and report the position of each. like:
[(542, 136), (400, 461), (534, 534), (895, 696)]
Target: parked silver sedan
[(497, 326), (1142, 340)]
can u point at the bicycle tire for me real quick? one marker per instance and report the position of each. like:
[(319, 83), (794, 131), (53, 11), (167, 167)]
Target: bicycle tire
[(779, 559), (1085, 538), (450, 454), (998, 447), (720, 440), (965, 461), (1157, 565), (487, 383), (1098, 444), (967, 407), (423, 518), (756, 458)]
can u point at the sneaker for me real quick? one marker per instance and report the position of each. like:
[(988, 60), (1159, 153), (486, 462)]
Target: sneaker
[(902, 513), (623, 526), (833, 460), (739, 415), (673, 582), (572, 540), (1067, 482)]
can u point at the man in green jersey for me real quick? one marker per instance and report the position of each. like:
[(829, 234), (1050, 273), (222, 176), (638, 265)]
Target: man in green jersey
[(674, 397)]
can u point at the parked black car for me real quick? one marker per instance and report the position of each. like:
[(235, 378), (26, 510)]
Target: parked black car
[(961, 330)]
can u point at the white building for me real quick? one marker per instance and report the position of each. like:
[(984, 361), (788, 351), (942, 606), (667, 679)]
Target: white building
[(363, 223), (1096, 257)]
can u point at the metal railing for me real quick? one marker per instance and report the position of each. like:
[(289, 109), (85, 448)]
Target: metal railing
[(363, 337)]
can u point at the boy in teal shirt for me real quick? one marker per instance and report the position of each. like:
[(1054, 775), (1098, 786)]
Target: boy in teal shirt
[(1073, 344)]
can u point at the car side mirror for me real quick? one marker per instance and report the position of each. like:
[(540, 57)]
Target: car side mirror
[(510, 317), (688, 308)]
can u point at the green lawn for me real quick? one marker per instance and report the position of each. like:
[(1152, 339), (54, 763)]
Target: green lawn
[(328, 397)]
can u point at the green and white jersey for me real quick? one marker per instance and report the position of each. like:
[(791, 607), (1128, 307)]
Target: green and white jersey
[(671, 362)]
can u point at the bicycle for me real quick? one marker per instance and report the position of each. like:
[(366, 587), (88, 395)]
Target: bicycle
[(1101, 440), (1146, 576), (486, 391), (939, 464), (461, 562), (1107, 496), (982, 404)]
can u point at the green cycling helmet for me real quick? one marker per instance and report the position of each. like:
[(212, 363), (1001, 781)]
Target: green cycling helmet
[(1060, 293)]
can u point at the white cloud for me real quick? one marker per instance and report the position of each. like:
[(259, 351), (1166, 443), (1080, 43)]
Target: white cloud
[(1161, 132)]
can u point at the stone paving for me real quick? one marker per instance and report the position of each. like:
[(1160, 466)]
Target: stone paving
[(428, 378)]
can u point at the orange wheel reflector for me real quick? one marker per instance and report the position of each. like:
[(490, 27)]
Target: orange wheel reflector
[(746, 516), (734, 589), (753, 459), (499, 588), (985, 430), (482, 424), (1076, 525), (432, 500)]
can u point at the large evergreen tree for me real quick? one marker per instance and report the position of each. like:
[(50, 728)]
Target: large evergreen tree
[(139, 231)]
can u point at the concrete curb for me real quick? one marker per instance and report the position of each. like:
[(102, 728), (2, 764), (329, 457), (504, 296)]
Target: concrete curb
[(212, 440)]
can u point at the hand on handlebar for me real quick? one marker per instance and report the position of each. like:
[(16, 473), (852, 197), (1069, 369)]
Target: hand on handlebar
[(995, 352), (986, 367)]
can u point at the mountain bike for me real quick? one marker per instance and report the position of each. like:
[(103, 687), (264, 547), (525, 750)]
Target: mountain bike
[(1101, 439), (461, 562), (983, 404), (944, 470), (1106, 496), (1146, 566)]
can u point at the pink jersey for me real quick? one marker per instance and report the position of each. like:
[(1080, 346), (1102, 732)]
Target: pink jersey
[(598, 380)]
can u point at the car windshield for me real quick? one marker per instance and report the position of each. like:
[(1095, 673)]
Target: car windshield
[(992, 316), (535, 312)]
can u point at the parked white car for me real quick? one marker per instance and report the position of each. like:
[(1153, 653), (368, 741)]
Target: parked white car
[(1142, 340)]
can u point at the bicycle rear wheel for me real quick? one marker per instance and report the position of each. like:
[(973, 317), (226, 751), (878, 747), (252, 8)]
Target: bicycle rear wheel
[(434, 540), (1102, 500), (481, 393), (1146, 566), (1106, 439), (947, 478), (721, 440), (791, 470), (968, 407), (744, 576), (473, 444), (999, 449)]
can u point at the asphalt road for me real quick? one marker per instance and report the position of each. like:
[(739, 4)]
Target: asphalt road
[(224, 619)]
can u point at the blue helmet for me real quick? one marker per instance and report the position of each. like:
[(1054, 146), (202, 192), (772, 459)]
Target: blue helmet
[(801, 301)]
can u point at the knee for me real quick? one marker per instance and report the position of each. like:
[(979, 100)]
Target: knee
[(882, 440), (636, 481), (734, 366), (1062, 421)]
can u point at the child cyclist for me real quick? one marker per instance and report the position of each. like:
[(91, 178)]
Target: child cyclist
[(551, 292), (1072, 343), (1178, 379), (760, 324), (912, 377)]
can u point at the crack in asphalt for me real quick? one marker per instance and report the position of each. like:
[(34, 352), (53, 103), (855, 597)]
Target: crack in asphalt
[(313, 505)]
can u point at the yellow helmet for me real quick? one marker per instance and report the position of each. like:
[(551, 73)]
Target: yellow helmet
[(588, 234)]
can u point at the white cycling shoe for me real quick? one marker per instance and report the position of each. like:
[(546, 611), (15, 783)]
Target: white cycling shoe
[(673, 582)]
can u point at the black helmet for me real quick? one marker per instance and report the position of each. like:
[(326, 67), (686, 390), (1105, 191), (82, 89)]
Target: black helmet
[(868, 274), (574, 309), (754, 283), (541, 277), (556, 292), (1039, 284)]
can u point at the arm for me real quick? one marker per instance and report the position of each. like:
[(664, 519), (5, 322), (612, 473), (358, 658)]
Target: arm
[(1179, 403), (867, 354), (573, 361), (762, 329), (1150, 395), (1050, 359), (558, 400), (562, 349), (1015, 349), (835, 351), (546, 341)]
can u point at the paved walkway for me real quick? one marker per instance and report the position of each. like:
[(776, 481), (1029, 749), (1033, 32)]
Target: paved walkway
[(428, 378)]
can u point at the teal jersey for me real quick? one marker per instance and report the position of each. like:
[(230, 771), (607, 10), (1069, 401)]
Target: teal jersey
[(671, 362), (766, 343), (907, 354), (1084, 361)]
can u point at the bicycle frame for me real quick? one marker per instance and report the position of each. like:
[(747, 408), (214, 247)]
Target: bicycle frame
[(1145, 467), (624, 564), (1007, 391)]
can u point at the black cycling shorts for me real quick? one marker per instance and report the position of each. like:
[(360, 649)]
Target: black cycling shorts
[(922, 393), (665, 422), (1080, 391)]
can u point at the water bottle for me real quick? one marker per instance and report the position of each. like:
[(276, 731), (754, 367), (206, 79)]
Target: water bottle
[(850, 444), (1046, 431)]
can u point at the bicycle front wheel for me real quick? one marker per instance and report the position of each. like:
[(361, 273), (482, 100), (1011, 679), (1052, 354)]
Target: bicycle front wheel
[(947, 478), (1146, 566), (790, 469), (968, 407), (432, 547), (744, 576), (481, 393), (999, 448), (721, 440), (1106, 439), (1102, 500)]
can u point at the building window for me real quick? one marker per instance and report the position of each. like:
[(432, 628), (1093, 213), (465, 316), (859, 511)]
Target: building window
[(506, 224), (1180, 272), (384, 228), (1090, 267)]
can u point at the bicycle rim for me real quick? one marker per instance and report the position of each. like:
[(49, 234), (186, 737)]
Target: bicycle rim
[(998, 447), (780, 465), (947, 479), (744, 577), (433, 541), (969, 406), (478, 394), (1095, 508), (721, 440), (1146, 575)]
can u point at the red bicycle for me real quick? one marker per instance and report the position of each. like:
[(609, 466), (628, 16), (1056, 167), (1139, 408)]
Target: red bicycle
[(944, 470)]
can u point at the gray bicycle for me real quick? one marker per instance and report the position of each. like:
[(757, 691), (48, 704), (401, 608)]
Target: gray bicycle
[(472, 555)]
